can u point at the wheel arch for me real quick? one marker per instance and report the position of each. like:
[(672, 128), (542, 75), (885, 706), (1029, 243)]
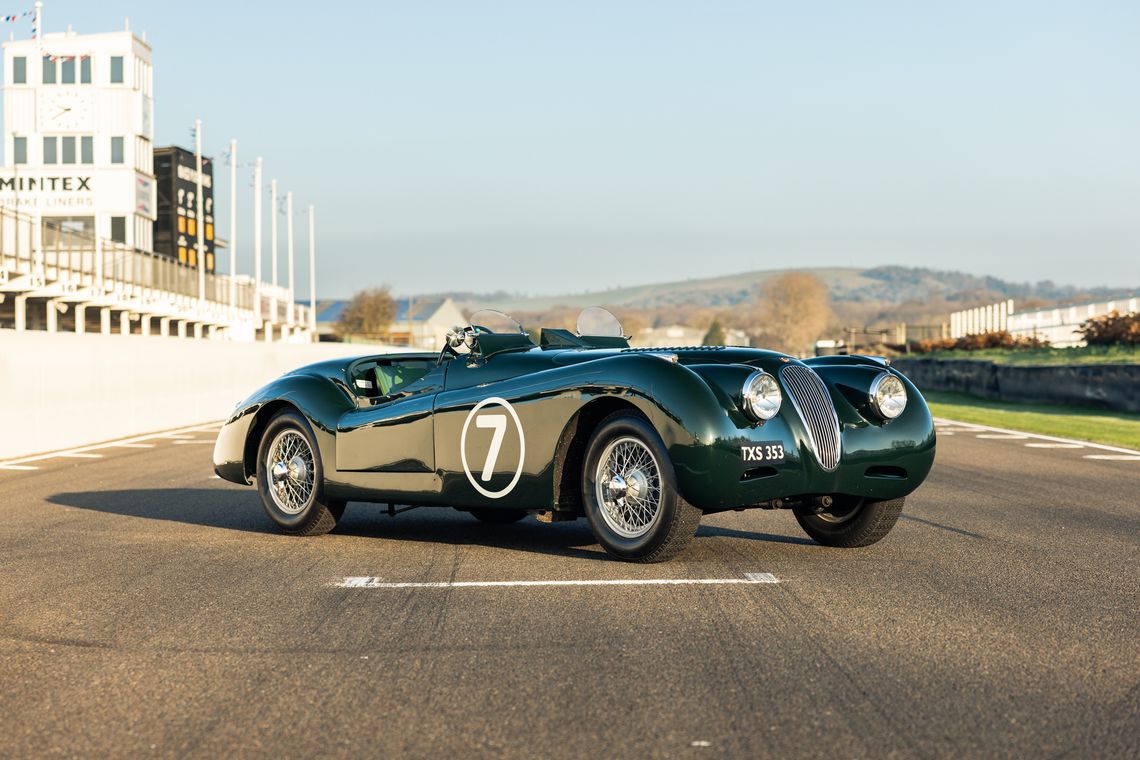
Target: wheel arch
[(261, 420), (571, 449)]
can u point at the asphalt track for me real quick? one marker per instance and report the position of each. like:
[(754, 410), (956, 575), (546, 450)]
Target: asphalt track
[(147, 609)]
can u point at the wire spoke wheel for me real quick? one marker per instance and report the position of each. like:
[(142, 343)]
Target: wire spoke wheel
[(628, 487), (290, 466)]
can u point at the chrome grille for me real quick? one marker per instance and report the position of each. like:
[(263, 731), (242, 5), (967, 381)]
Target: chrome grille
[(811, 400)]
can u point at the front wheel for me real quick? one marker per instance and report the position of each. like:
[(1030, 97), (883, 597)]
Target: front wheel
[(290, 478), (851, 522), (629, 492)]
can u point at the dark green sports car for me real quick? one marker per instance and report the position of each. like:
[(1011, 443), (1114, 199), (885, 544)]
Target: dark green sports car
[(641, 442)]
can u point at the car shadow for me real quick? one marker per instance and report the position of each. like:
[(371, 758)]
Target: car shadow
[(716, 530), (231, 509)]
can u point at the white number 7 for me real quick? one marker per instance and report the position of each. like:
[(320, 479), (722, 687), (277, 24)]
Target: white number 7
[(499, 423)]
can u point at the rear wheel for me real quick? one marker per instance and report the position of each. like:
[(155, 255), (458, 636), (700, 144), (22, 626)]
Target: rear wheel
[(851, 522), (629, 492), (290, 478)]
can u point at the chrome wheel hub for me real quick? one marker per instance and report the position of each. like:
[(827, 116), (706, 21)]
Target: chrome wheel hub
[(290, 467), (628, 487)]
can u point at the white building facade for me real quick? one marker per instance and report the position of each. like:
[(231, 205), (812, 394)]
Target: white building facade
[(78, 132)]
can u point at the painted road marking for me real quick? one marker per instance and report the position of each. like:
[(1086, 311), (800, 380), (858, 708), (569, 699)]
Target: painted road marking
[(1002, 436), (1115, 457), (187, 443), (133, 445), (120, 443), (368, 581), (17, 467), (1036, 436), (1055, 445), (80, 455)]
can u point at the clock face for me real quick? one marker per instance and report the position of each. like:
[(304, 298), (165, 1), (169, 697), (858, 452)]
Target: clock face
[(64, 111)]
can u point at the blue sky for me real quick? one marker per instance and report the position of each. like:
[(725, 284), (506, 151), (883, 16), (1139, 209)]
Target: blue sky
[(548, 147)]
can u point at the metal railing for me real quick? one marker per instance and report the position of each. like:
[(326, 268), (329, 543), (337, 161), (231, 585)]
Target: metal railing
[(61, 261)]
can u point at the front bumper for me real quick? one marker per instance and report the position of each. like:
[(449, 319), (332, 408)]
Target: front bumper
[(877, 461)]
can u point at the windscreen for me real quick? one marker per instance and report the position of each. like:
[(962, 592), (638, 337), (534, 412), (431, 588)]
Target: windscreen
[(495, 322), (597, 322)]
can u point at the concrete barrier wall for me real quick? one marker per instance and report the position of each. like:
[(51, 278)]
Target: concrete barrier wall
[(1109, 386), (63, 390)]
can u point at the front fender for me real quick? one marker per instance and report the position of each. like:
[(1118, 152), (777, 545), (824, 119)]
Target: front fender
[(318, 399)]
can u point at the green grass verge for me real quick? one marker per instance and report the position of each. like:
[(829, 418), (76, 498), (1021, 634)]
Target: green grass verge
[(1082, 423), (1030, 356)]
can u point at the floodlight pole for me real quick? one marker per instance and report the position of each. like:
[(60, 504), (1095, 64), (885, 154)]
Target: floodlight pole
[(289, 249), (233, 223), (257, 244), (312, 273), (199, 221), (273, 214)]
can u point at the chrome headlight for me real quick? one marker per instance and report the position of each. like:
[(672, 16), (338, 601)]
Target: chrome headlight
[(762, 397), (888, 396)]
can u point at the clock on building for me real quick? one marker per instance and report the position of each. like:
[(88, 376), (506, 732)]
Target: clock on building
[(65, 111)]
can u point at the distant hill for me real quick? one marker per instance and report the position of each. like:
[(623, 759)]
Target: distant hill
[(884, 286)]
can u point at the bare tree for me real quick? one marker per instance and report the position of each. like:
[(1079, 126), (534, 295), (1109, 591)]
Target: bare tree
[(368, 314), (795, 309)]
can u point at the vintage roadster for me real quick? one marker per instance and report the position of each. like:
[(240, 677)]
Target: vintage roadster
[(641, 442)]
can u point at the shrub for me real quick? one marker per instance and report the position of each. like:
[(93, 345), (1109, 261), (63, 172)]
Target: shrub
[(979, 342), (1113, 329)]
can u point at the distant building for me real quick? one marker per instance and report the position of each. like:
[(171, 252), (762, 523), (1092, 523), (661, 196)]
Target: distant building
[(421, 324), (424, 324), (78, 113), (682, 336)]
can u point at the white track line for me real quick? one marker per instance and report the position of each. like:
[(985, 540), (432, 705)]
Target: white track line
[(1055, 445), (78, 455), (1115, 457), (373, 582), (189, 443), (972, 427), (121, 443), (17, 467), (1002, 436)]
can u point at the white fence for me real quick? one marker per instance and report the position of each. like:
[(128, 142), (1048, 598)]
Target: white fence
[(1059, 325), (47, 271), (983, 319), (63, 390)]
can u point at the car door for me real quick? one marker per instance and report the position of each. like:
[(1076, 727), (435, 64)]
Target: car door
[(392, 431), (496, 427)]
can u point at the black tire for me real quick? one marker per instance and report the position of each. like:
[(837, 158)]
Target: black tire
[(498, 516), (856, 522), (674, 521), (316, 514)]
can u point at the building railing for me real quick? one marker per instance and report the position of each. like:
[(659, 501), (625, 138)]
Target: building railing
[(51, 261)]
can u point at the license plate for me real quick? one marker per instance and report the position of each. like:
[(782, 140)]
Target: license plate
[(758, 453)]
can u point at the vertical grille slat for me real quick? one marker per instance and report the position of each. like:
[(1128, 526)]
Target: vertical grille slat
[(811, 400)]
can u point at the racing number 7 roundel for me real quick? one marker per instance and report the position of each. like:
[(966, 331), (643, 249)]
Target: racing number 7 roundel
[(488, 425)]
